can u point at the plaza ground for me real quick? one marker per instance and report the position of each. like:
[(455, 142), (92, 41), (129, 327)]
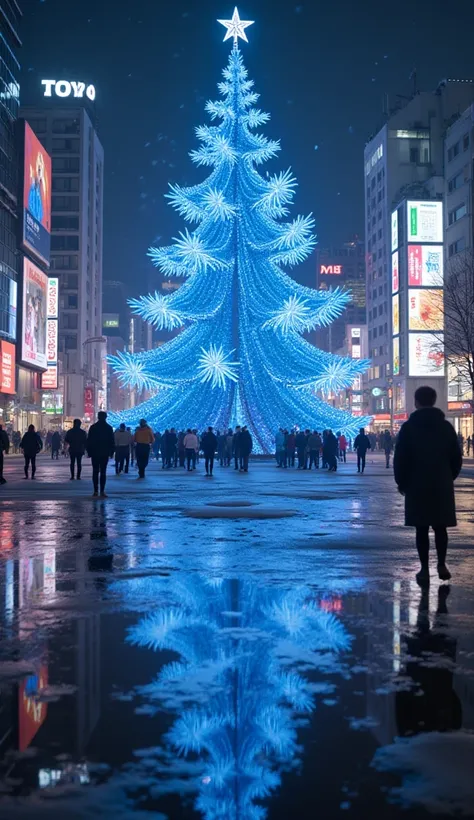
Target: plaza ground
[(251, 645)]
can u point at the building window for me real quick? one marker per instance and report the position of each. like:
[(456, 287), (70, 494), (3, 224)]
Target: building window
[(69, 281), (456, 182), (67, 184), (380, 310), (375, 333), (65, 164), (69, 321), (414, 154), (453, 151), (64, 243), (65, 203), (456, 247), (457, 213), (380, 290), (65, 263), (70, 343), (71, 301), (39, 126), (66, 126), (64, 223), (70, 146), (465, 142)]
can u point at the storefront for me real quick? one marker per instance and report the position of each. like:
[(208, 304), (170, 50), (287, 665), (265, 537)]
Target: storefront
[(460, 414)]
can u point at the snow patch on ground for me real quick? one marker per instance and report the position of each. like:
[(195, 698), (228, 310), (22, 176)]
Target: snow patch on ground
[(237, 512)]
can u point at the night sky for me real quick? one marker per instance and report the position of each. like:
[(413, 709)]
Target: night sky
[(321, 69)]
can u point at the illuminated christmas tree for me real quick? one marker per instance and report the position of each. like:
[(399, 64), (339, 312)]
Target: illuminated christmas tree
[(241, 357)]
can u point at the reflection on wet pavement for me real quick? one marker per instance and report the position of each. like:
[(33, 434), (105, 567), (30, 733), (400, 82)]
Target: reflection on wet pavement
[(160, 664)]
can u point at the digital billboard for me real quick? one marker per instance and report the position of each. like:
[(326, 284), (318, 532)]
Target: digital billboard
[(394, 231), (425, 354), (36, 197), (7, 367), (395, 315), (425, 266), (34, 315), (12, 308), (395, 273), (425, 221), (49, 379), (396, 356), (425, 309)]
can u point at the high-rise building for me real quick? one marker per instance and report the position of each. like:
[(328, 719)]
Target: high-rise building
[(70, 136), (10, 42), (341, 266), (403, 162)]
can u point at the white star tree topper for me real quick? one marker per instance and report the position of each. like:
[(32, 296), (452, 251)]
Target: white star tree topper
[(236, 27)]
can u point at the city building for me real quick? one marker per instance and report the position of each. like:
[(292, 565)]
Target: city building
[(355, 345), (69, 134), (404, 161), (10, 15), (341, 266)]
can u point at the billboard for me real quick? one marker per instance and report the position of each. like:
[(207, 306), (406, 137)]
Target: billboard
[(425, 266), (36, 197), (89, 402), (49, 379), (425, 221), (425, 309), (110, 320), (52, 403), (33, 334), (394, 231), (425, 354), (396, 356), (395, 273), (7, 367), (12, 308), (395, 315)]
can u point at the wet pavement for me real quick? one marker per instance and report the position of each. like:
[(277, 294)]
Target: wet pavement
[(243, 647)]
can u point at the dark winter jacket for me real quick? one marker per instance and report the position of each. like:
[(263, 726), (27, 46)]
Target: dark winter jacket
[(314, 442), (236, 444), (4, 441), (56, 441), (387, 442), (100, 441), (245, 443), (362, 443), (76, 438), (331, 446), (209, 444), (300, 441), (171, 443), (31, 444), (426, 463)]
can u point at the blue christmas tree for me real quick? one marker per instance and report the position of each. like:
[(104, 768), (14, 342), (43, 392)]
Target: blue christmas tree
[(241, 357)]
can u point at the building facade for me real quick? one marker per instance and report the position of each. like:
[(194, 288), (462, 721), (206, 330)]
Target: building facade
[(405, 159), (344, 267), (68, 133)]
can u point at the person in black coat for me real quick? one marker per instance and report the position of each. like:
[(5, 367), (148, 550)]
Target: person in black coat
[(55, 445), (332, 449), (31, 445), (246, 444), (236, 446), (76, 439), (427, 461), (4, 448), (361, 445), (100, 447), (209, 446)]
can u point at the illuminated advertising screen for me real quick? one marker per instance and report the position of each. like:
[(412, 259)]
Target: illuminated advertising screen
[(425, 354), (34, 315), (395, 273), (7, 367), (425, 309), (425, 221), (49, 379), (425, 266), (395, 315), (36, 197), (396, 356), (394, 231), (12, 308)]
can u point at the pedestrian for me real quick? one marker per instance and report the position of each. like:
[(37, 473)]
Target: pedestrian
[(76, 440), (31, 444), (300, 441), (220, 448), (100, 446), (461, 442), (280, 447), (156, 449), (4, 448), (143, 439), (387, 445), (190, 446), (332, 450), (361, 445), (236, 446), (427, 461), (469, 445), (314, 448), (132, 450), (324, 459), (246, 445), (181, 448), (55, 445), (16, 439), (164, 445), (173, 448), (209, 446), (291, 448), (198, 446), (342, 444), (229, 444), (123, 441)]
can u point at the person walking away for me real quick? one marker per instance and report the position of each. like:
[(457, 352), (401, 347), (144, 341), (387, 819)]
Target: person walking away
[(173, 442), (427, 461), (31, 444), (4, 448), (314, 448), (100, 446), (300, 441), (131, 457), (76, 440), (198, 438), (181, 448), (123, 440), (469, 444), (229, 443), (361, 445), (342, 444), (246, 445), (236, 446), (332, 450), (209, 446), (157, 445), (291, 448), (324, 458), (461, 442), (279, 447), (55, 445), (143, 439), (221, 448), (387, 444), (16, 438), (190, 445)]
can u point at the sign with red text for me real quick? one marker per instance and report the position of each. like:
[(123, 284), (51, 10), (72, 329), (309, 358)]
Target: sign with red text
[(425, 266), (7, 367), (330, 270)]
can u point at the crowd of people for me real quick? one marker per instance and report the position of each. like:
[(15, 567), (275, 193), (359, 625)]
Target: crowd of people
[(303, 448)]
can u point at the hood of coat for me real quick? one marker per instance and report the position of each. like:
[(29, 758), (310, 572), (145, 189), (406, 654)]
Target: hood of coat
[(427, 418)]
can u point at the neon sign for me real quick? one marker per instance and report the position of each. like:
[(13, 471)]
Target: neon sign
[(331, 269), (66, 88)]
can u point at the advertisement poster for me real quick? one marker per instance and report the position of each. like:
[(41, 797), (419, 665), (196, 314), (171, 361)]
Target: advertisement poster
[(395, 273), (12, 308), (394, 231), (425, 310), (395, 315), (7, 367), (52, 342), (89, 402), (425, 354), (425, 221), (35, 290), (49, 379), (396, 356), (36, 197), (425, 266)]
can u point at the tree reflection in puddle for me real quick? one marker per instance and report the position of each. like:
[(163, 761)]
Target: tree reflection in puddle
[(240, 684)]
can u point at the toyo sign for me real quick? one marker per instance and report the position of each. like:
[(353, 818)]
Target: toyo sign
[(66, 88)]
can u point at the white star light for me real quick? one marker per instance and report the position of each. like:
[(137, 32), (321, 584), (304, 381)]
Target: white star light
[(215, 367), (236, 27)]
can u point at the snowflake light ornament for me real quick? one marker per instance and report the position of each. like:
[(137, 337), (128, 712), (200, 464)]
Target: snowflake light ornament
[(215, 367)]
